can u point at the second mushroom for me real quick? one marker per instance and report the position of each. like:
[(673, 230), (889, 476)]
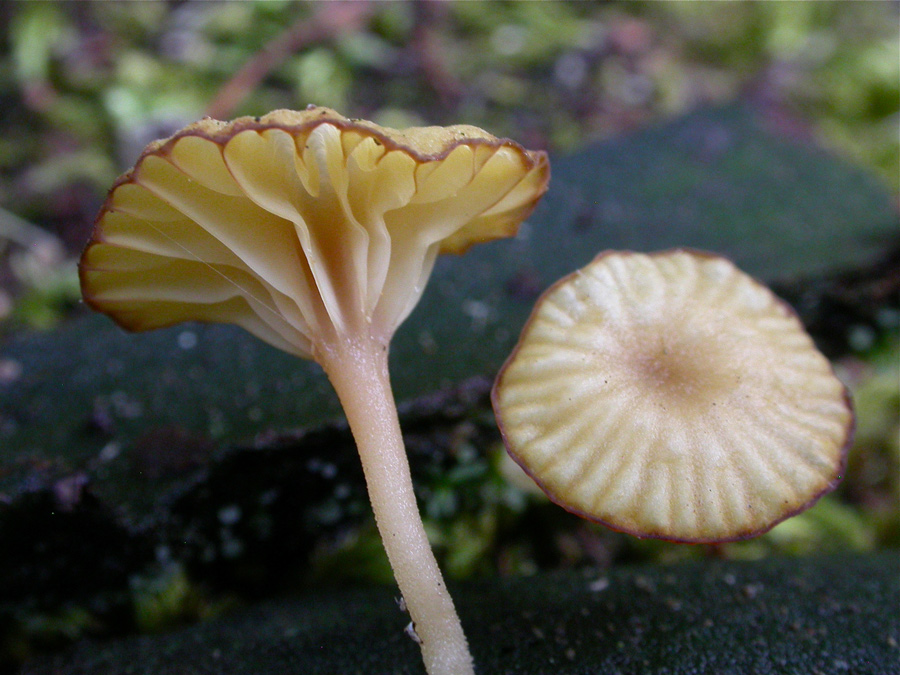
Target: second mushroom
[(673, 396), (317, 234)]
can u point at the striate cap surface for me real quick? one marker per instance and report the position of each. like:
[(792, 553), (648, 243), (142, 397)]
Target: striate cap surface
[(673, 396)]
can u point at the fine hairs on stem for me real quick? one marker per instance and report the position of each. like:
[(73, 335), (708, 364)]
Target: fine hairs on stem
[(359, 374)]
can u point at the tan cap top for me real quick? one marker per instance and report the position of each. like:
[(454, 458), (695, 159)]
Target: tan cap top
[(672, 396), (299, 226)]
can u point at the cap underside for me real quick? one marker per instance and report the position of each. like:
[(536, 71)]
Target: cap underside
[(299, 224)]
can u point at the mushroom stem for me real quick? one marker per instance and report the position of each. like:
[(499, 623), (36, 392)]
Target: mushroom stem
[(358, 370)]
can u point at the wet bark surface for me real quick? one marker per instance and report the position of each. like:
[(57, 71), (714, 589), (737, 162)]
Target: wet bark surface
[(830, 615)]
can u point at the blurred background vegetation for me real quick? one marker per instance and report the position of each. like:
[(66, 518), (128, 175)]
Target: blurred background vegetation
[(85, 85)]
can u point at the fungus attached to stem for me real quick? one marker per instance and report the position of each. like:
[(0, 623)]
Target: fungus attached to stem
[(672, 396), (317, 234)]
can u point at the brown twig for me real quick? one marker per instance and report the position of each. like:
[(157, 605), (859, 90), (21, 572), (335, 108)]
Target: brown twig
[(430, 16), (332, 20)]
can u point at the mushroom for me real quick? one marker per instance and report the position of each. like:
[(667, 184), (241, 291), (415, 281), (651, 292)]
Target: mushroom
[(316, 233), (672, 396)]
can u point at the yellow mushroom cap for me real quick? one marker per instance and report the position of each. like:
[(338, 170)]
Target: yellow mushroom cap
[(299, 226), (672, 396)]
